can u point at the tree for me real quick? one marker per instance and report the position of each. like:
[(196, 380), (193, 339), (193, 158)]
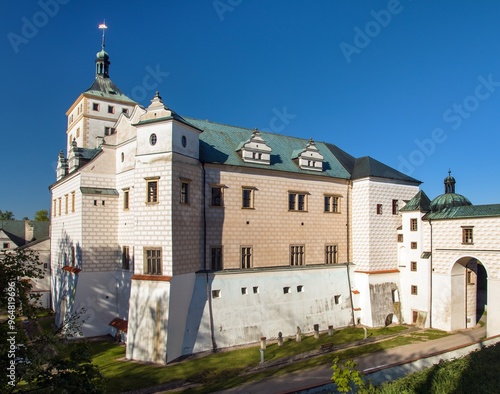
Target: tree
[(7, 215), (348, 379), (43, 359), (42, 216)]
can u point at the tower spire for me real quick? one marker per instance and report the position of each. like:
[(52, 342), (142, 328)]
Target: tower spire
[(102, 62)]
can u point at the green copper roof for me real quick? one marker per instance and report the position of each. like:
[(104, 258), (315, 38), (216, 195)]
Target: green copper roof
[(448, 200), (420, 202), (219, 143), (105, 88), (464, 212)]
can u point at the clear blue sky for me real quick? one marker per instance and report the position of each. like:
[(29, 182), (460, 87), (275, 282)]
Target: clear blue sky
[(414, 84)]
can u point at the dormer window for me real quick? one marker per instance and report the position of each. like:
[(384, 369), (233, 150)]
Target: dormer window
[(255, 149), (309, 158)]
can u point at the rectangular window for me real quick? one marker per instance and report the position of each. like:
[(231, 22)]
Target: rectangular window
[(184, 192), (60, 203), (414, 290), (297, 201), (413, 245), (73, 256), (216, 197), (395, 207), (379, 209), (331, 204), (467, 235), (470, 277), (126, 258), (246, 257), (331, 254), (400, 237), (66, 204), (297, 255), (152, 191), (413, 225), (111, 109), (337, 299), (247, 197), (72, 201), (215, 293), (95, 106), (55, 208), (126, 199), (109, 130), (152, 261), (5, 245), (413, 265), (216, 258)]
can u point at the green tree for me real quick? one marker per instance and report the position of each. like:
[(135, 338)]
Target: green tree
[(348, 379), (44, 360), (7, 215), (42, 216)]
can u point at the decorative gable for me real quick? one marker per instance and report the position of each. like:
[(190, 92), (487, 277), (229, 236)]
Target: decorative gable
[(255, 149), (309, 158)]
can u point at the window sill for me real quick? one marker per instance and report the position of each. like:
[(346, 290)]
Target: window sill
[(157, 278)]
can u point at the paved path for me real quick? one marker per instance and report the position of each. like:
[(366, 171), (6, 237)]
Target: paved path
[(301, 380)]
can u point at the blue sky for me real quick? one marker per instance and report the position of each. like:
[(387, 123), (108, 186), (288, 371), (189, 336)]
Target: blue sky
[(414, 84)]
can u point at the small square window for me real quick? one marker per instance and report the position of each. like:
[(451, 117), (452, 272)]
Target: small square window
[(379, 209), (470, 277), (400, 237), (413, 265), (244, 291), (300, 288), (297, 201), (256, 289), (331, 204), (111, 109), (414, 290), (286, 290), (413, 245), (215, 293), (125, 111), (467, 236), (5, 245), (95, 106), (337, 299)]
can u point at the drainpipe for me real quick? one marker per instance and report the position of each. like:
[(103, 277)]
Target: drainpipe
[(207, 281), (348, 238), (430, 289)]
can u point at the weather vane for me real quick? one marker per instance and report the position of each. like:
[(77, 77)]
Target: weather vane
[(103, 27)]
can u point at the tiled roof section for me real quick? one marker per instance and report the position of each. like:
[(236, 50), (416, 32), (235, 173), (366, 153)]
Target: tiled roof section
[(99, 191), (119, 324), (219, 144), (420, 202), (15, 229), (464, 212), (105, 88), (88, 154), (369, 167)]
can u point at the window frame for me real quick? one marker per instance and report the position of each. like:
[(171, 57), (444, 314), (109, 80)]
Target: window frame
[(414, 290), (153, 261), (331, 254), (251, 197), (467, 235), (152, 198), (297, 256), (184, 191), (395, 207), (126, 258), (379, 209), (413, 224), (413, 245), (413, 266), (126, 199), (219, 198), (331, 203), (217, 263), (297, 201), (246, 256), (96, 107)]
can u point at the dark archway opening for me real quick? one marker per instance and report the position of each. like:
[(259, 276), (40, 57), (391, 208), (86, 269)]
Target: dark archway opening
[(481, 292)]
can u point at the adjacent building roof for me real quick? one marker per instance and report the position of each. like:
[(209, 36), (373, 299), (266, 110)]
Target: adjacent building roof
[(420, 202), (465, 212), (16, 230)]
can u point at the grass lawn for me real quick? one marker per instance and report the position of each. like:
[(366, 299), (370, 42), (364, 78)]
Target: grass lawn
[(226, 369)]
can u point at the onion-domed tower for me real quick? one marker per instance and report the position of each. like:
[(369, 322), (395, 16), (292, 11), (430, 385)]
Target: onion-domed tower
[(449, 198)]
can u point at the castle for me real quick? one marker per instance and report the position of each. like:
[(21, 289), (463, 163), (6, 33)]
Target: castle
[(191, 235)]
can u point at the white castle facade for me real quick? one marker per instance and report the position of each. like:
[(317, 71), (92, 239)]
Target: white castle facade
[(192, 235)]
